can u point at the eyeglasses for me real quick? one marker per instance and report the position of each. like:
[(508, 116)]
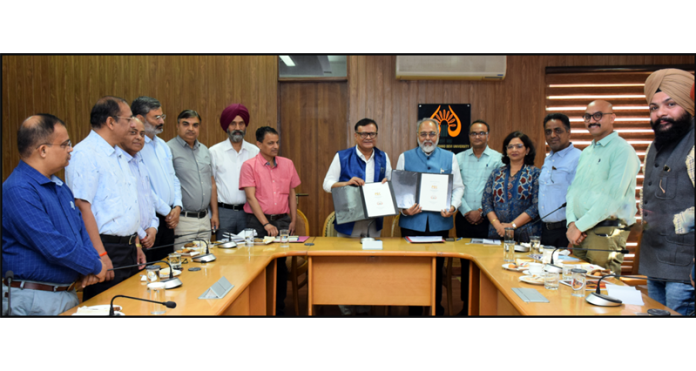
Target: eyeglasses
[(513, 146), (366, 135), (597, 116), (63, 145), (161, 117), (130, 119), (425, 134), (479, 134)]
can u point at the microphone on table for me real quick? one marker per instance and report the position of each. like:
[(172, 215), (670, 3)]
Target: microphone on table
[(601, 300), (9, 276), (170, 283), (365, 237), (168, 304)]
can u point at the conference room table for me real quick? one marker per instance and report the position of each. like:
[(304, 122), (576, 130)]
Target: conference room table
[(341, 272)]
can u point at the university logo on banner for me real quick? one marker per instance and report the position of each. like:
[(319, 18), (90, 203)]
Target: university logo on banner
[(454, 120)]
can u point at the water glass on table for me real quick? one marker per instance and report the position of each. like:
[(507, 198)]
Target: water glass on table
[(152, 272), (284, 238), (249, 237), (578, 281), (551, 280), (509, 246), (535, 242), (567, 271), (175, 261), (156, 293)]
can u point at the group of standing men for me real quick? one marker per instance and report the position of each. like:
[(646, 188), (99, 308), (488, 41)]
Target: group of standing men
[(129, 191)]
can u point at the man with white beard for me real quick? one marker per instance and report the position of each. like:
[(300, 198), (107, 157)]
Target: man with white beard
[(227, 158), (428, 158)]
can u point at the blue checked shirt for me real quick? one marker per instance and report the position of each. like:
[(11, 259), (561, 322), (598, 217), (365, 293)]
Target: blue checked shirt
[(43, 236), (159, 162), (100, 175), (475, 172), (146, 196), (557, 174)]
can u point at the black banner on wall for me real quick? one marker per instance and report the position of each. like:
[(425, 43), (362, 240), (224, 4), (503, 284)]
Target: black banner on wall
[(454, 120)]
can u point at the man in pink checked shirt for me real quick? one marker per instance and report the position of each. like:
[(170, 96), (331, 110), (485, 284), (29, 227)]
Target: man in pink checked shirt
[(269, 182)]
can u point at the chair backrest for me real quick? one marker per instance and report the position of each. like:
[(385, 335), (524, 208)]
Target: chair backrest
[(329, 229), (395, 230), (301, 225)]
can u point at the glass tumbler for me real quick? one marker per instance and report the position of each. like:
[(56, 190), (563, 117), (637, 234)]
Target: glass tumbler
[(284, 238), (156, 293), (551, 280), (578, 281), (509, 246)]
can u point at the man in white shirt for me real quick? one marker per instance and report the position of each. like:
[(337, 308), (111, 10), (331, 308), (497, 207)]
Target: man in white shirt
[(355, 166), (227, 158), (428, 158), (158, 161), (358, 165)]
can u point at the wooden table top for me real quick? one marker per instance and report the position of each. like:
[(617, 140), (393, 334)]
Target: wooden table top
[(240, 267)]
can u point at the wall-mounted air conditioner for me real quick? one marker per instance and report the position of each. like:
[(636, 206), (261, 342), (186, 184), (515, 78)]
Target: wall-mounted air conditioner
[(450, 67)]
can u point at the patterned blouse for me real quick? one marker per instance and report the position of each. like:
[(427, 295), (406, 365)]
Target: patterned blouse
[(511, 196)]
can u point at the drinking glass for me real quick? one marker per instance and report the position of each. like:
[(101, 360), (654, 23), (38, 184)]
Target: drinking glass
[(509, 246), (175, 261), (536, 246), (579, 278), (567, 274), (284, 238), (152, 272), (551, 280), (156, 293), (249, 237)]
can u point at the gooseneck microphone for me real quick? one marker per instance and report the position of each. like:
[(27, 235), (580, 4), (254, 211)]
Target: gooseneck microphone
[(541, 218), (601, 300), (168, 304)]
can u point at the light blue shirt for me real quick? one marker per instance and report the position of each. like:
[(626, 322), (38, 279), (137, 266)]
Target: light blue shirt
[(605, 184), (146, 196), (557, 174), (158, 161), (98, 174), (475, 172)]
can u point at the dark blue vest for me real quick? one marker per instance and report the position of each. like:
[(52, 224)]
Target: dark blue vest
[(353, 166)]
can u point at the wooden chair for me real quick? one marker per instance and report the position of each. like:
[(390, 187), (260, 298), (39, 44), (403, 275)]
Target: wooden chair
[(329, 230), (643, 281), (298, 265), (396, 232)]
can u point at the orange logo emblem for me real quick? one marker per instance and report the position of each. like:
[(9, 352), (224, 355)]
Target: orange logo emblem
[(449, 118)]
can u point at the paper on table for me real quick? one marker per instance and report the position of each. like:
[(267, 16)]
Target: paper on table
[(419, 239), (378, 199), (484, 241), (434, 195), (627, 294)]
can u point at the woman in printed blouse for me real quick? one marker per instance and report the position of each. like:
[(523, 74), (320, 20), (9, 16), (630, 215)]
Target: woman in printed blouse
[(512, 191)]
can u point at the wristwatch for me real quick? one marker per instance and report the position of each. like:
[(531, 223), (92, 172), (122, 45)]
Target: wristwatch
[(514, 226)]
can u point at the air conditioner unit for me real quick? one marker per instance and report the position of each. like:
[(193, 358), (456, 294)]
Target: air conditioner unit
[(451, 67)]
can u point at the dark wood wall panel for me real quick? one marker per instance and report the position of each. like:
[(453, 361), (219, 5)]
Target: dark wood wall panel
[(67, 86), (313, 118)]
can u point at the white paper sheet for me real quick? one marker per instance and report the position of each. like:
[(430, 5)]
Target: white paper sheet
[(378, 199), (627, 294), (424, 239), (433, 192)]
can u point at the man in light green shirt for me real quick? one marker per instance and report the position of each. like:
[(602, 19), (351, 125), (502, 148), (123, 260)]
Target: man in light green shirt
[(604, 188)]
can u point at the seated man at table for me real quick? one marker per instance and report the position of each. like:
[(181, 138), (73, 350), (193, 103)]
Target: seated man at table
[(355, 166), (428, 158), (269, 182), (44, 241)]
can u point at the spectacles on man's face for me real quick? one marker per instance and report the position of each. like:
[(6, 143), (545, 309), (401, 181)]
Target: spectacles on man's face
[(513, 146), (364, 135), (597, 116), (160, 117), (63, 145), (479, 134), (425, 134), (130, 119)]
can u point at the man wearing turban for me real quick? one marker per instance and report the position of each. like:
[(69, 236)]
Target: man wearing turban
[(227, 158), (667, 197)]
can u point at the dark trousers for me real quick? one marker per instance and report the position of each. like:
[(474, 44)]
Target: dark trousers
[(282, 270), (439, 263), (165, 236), (468, 230), (120, 255), (554, 237)]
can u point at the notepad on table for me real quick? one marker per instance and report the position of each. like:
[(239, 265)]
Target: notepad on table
[(419, 239)]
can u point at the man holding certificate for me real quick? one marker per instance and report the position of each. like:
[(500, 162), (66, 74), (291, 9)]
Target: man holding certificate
[(423, 219), (355, 166)]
